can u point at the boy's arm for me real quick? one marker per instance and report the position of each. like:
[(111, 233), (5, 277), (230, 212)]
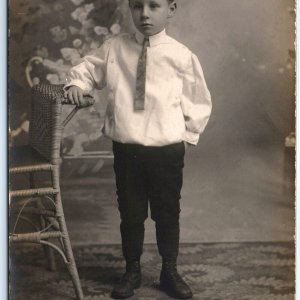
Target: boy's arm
[(91, 72), (196, 101)]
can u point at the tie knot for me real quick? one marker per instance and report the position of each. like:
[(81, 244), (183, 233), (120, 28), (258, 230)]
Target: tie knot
[(146, 42)]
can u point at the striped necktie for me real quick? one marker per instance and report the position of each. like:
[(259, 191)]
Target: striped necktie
[(139, 100)]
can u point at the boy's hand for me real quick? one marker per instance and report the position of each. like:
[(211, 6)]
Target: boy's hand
[(75, 95)]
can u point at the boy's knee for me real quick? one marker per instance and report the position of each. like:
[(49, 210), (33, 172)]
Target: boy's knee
[(166, 218), (131, 220)]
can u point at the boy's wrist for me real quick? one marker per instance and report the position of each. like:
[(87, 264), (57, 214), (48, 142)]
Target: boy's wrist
[(77, 83)]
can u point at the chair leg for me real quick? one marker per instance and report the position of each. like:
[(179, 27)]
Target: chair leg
[(65, 238), (71, 266), (48, 251)]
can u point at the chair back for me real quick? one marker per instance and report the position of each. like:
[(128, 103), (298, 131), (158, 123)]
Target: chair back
[(45, 129)]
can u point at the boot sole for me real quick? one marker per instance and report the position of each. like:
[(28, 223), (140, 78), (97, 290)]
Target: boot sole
[(116, 295), (166, 289)]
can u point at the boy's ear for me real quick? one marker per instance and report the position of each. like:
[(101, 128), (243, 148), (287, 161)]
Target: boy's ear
[(172, 9)]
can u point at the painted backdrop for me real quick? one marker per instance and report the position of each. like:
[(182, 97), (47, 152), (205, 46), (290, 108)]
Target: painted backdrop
[(46, 39)]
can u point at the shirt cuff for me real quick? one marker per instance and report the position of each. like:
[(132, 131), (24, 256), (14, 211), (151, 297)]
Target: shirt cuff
[(78, 83), (191, 137)]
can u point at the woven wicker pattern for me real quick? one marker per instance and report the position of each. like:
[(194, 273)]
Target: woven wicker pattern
[(45, 129)]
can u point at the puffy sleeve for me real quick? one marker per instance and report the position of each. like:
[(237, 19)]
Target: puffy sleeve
[(196, 100), (91, 72)]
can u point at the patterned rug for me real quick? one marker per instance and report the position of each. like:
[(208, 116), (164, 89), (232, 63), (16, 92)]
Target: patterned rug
[(233, 271)]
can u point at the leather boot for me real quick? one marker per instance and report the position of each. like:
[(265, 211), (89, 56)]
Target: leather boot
[(172, 283), (130, 280)]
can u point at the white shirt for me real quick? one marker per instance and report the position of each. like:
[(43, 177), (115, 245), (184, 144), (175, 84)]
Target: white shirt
[(177, 101)]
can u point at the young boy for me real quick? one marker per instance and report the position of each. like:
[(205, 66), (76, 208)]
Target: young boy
[(158, 103)]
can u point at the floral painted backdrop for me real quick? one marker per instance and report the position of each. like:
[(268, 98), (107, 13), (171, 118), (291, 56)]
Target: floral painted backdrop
[(47, 37)]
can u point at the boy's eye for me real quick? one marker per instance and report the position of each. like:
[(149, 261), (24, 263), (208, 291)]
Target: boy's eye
[(154, 5), (138, 5)]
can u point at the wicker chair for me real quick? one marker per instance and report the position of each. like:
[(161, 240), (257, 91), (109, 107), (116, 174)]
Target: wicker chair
[(43, 155)]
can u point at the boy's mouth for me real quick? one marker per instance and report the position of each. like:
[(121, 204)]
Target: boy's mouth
[(146, 24)]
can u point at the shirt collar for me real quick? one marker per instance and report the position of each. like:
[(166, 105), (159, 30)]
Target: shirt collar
[(154, 40)]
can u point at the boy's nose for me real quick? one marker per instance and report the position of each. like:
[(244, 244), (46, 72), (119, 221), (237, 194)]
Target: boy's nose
[(145, 12)]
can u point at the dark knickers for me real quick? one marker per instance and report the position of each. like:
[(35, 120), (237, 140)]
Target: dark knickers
[(152, 175)]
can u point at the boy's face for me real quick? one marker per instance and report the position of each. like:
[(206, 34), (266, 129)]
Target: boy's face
[(151, 16)]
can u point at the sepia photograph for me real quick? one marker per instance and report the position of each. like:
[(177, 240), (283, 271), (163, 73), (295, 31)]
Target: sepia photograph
[(151, 149)]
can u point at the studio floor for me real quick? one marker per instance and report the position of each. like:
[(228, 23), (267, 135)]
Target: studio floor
[(216, 271)]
